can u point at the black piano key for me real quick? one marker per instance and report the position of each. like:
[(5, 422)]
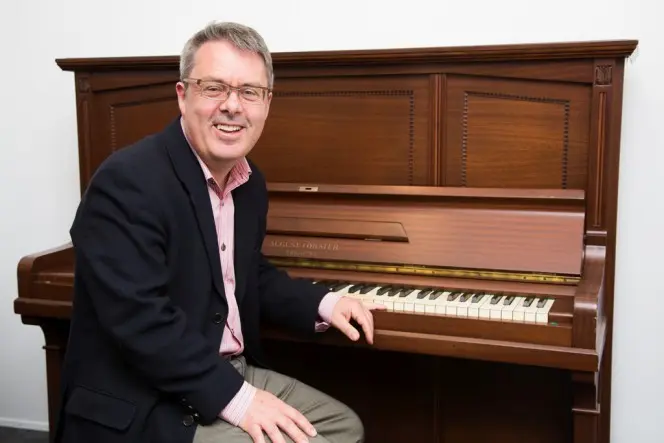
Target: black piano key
[(477, 297), (424, 292), (339, 286), (542, 301), (329, 284), (528, 301), (405, 292), (367, 288), (496, 298), (383, 290), (465, 296), (394, 290), (436, 294), (353, 289), (453, 296), (508, 300)]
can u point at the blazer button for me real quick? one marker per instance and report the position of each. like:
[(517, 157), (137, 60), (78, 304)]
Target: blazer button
[(188, 420), (217, 318)]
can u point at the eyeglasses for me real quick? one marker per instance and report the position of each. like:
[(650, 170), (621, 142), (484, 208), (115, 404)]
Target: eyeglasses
[(216, 90)]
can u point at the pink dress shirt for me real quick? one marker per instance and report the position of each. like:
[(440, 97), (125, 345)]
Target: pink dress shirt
[(232, 342)]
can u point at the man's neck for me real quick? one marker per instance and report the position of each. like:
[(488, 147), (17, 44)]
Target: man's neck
[(221, 172)]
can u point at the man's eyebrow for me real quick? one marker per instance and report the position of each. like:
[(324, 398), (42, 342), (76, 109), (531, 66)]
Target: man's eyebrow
[(257, 85)]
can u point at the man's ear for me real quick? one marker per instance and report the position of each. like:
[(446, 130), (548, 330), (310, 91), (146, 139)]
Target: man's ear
[(268, 102), (181, 91)]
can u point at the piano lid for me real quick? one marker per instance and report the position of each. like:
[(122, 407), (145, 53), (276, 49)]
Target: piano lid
[(522, 234)]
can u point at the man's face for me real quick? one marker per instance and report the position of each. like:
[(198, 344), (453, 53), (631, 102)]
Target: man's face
[(222, 132)]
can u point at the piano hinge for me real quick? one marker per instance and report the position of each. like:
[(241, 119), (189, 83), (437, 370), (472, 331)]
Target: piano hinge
[(426, 271)]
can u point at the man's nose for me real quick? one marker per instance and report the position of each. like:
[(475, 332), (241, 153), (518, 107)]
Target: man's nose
[(232, 103)]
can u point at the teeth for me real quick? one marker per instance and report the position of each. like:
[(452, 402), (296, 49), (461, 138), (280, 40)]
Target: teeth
[(228, 128)]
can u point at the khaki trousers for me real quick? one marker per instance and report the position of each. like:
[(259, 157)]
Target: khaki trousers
[(334, 421)]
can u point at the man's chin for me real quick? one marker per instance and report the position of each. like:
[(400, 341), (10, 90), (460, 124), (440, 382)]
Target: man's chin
[(228, 153)]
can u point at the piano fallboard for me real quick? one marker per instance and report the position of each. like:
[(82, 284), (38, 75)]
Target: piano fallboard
[(512, 231)]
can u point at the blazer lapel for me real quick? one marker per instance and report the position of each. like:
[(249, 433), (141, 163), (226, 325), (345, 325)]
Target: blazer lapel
[(245, 237), (191, 176)]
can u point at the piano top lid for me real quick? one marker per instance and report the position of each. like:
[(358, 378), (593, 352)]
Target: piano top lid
[(519, 231), (403, 56)]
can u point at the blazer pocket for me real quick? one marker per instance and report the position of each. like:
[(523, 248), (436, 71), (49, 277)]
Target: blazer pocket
[(101, 408)]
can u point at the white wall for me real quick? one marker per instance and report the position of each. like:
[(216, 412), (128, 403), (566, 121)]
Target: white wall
[(39, 166)]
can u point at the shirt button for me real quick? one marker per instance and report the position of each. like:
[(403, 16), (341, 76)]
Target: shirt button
[(223, 246), (188, 420)]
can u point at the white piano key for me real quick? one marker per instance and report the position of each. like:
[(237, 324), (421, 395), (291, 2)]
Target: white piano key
[(464, 306), (407, 303), (519, 312), (451, 305), (474, 308), (436, 301), (508, 310), (491, 309), (496, 309), (530, 314), (542, 313), (433, 304)]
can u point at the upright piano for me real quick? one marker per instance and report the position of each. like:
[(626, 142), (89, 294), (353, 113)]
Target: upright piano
[(470, 190)]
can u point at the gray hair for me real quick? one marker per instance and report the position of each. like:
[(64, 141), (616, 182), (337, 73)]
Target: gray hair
[(241, 36)]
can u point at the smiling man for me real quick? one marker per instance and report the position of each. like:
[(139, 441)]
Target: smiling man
[(171, 284)]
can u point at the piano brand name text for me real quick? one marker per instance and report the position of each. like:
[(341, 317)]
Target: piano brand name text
[(305, 245)]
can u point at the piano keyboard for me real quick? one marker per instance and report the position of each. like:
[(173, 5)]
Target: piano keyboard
[(438, 301)]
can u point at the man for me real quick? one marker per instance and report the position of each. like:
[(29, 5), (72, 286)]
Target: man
[(171, 284)]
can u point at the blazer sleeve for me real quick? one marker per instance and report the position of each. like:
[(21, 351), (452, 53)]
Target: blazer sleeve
[(119, 238), (285, 302)]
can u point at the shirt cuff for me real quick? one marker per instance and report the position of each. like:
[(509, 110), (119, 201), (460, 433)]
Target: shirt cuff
[(235, 410), (325, 310)]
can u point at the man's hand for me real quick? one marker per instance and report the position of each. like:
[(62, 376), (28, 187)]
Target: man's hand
[(349, 308), (268, 414)]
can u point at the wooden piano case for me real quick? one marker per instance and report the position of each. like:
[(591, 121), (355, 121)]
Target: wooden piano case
[(512, 150)]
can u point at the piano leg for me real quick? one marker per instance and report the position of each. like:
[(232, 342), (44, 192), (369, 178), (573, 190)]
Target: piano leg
[(586, 407), (56, 333)]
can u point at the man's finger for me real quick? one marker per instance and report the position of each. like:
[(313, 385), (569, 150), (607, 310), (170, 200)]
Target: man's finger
[(256, 434), (362, 316), (274, 433), (370, 320), (300, 420), (294, 432), (348, 329), (375, 307)]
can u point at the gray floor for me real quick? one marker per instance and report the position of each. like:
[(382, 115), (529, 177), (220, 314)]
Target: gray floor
[(10, 435)]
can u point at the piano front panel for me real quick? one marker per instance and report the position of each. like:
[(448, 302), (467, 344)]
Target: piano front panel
[(316, 125), (516, 133), (509, 234), (121, 112), (406, 397)]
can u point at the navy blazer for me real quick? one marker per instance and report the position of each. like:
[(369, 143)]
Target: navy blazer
[(142, 363)]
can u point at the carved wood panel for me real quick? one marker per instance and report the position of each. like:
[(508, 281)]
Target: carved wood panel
[(348, 131), (516, 133), (123, 116)]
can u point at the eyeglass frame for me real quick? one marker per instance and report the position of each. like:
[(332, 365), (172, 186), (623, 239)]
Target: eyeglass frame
[(199, 81)]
